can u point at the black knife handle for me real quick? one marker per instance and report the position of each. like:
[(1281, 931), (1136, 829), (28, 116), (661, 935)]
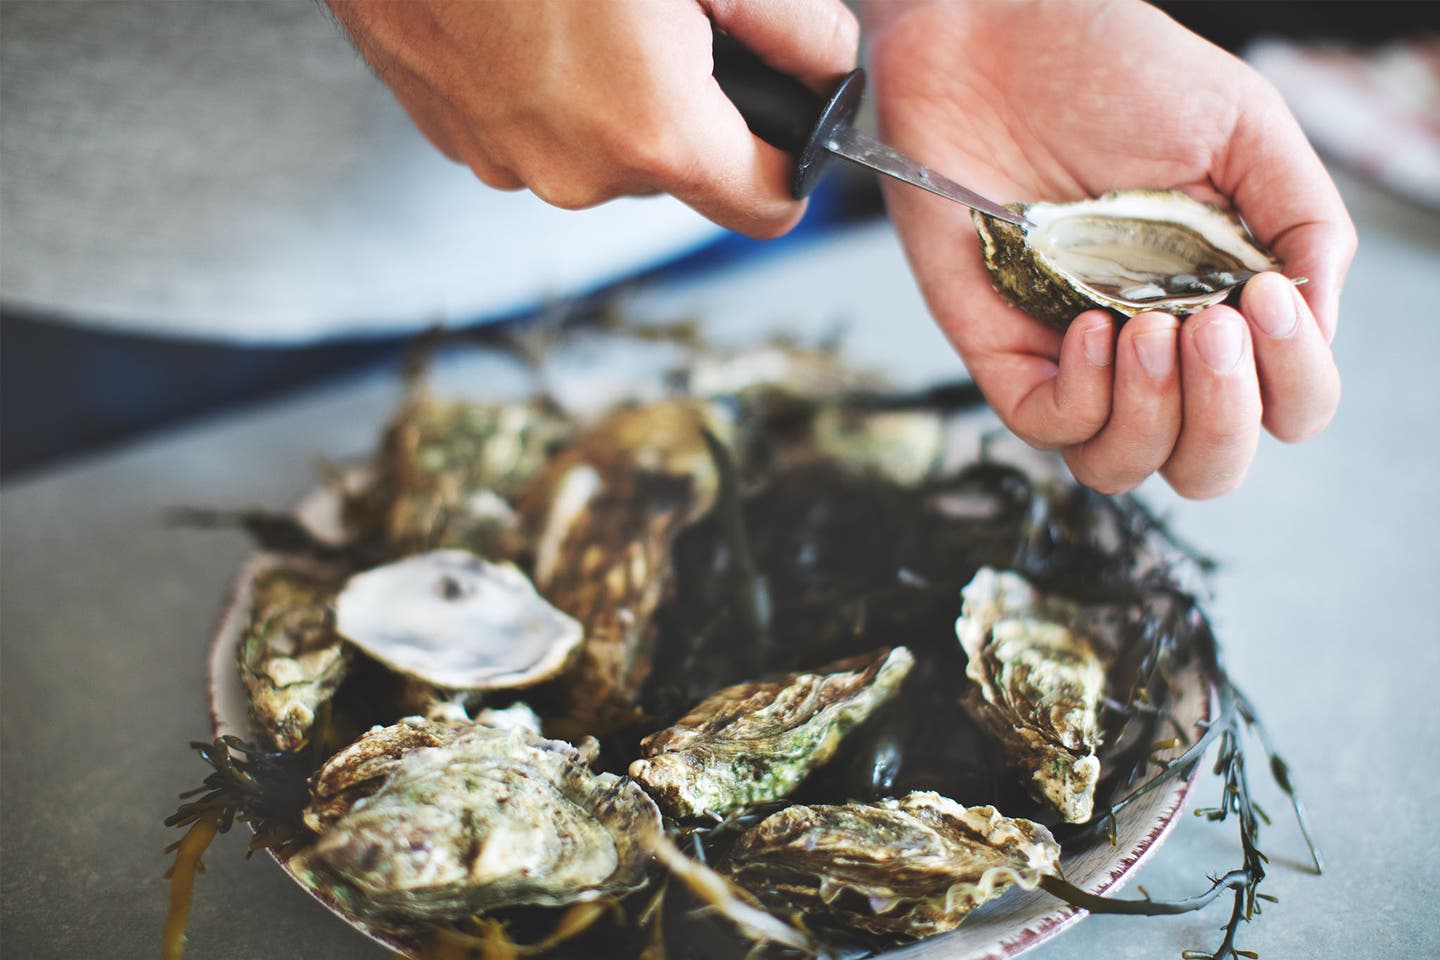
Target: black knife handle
[(784, 112)]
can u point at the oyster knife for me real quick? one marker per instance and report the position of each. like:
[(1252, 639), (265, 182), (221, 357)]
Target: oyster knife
[(785, 113)]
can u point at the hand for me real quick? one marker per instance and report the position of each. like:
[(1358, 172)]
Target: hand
[(1061, 100), (586, 100)]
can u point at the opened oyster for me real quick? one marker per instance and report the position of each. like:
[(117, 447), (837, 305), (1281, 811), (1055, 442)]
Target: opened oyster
[(913, 867), (754, 742), (456, 622), (1127, 251), (1037, 686), (494, 818)]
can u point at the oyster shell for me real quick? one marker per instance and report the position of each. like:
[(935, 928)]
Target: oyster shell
[(495, 818), (456, 622), (1127, 251), (291, 660), (915, 866), (755, 742), (446, 470), (902, 446), (358, 770), (1037, 686), (606, 511)]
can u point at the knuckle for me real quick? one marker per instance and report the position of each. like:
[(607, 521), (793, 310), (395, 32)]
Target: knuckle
[(1301, 429), (656, 160), (1207, 489), (568, 193), (491, 175), (1204, 484), (1107, 484), (767, 225)]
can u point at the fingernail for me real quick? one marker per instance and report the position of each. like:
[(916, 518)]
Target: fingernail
[(1096, 341), (1220, 342), (1274, 308), (1156, 350)]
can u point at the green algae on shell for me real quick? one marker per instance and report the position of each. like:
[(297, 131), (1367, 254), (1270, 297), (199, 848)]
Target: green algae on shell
[(753, 743)]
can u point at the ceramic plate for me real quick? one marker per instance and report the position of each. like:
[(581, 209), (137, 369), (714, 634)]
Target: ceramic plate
[(1005, 928)]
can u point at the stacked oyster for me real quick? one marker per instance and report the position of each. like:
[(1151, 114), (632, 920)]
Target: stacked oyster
[(579, 644)]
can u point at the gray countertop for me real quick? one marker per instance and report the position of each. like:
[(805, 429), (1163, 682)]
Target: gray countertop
[(1326, 605)]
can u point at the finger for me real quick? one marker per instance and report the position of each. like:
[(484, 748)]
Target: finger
[(815, 41), (1289, 201), (713, 162), (1145, 419), (1049, 405), (1220, 405), (1299, 384)]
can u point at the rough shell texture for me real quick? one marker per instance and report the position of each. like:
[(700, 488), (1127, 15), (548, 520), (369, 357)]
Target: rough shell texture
[(913, 866), (495, 818), (291, 660), (445, 470), (755, 742), (1037, 684), (457, 622), (358, 770), (1107, 252), (605, 512)]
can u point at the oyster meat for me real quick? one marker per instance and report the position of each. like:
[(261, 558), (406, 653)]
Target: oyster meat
[(755, 742), (912, 867), (1127, 251), (605, 512), (495, 818), (291, 659), (456, 622), (1037, 683)]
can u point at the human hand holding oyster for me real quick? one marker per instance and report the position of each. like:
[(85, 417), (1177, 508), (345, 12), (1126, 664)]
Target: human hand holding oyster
[(1062, 101)]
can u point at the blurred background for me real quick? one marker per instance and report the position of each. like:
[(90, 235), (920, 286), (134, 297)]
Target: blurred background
[(204, 205)]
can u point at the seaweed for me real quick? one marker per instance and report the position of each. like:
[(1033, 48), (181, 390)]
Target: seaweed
[(265, 790)]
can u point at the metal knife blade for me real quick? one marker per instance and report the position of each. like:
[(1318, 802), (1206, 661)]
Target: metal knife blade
[(861, 148)]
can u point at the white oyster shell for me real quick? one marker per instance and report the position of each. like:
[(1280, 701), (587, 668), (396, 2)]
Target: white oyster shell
[(455, 621)]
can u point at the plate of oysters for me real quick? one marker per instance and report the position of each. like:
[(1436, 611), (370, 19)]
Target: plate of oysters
[(754, 654)]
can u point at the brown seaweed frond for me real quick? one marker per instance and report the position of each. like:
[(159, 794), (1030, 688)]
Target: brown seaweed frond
[(265, 790)]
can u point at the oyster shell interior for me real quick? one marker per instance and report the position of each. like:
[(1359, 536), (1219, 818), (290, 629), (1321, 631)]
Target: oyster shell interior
[(1126, 251), (453, 620)]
